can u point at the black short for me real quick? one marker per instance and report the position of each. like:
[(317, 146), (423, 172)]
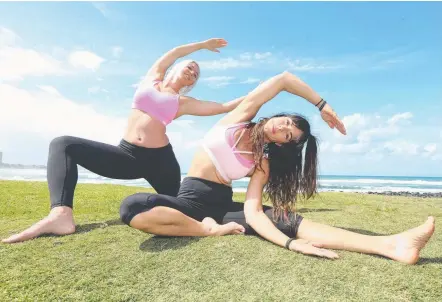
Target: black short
[(199, 198)]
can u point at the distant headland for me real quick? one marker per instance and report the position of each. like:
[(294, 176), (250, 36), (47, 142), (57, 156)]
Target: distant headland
[(18, 166)]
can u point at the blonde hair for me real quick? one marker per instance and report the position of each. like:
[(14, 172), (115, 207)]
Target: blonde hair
[(173, 72)]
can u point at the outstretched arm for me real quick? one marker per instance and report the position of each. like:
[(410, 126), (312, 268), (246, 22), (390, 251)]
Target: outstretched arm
[(258, 220), (159, 68), (192, 106), (265, 92)]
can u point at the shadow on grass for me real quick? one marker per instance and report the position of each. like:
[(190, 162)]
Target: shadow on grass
[(425, 260), (162, 243), (305, 210), (363, 232), (84, 228)]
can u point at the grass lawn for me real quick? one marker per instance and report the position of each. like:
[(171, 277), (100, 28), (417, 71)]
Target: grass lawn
[(106, 260)]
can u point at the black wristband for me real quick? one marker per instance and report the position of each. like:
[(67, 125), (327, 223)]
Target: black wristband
[(322, 105), (287, 244), (319, 102)]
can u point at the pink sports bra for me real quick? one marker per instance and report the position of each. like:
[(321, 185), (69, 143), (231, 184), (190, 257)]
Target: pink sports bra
[(162, 106), (221, 148)]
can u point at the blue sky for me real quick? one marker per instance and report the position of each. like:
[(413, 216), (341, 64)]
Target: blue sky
[(71, 68)]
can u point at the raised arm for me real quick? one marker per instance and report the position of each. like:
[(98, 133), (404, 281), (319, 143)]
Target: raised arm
[(192, 106), (159, 68), (265, 92), (258, 220)]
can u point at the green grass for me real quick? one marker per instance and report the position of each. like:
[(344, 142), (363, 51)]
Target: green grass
[(108, 261)]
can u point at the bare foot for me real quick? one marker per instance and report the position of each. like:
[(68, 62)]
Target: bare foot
[(60, 221), (215, 229), (406, 246)]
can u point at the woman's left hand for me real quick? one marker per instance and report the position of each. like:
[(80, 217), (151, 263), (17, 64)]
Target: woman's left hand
[(307, 247), (332, 119)]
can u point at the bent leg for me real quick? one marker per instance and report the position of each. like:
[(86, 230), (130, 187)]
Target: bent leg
[(163, 171), (169, 216), (66, 152)]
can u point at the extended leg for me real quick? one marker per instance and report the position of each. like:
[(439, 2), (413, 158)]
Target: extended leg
[(404, 247)]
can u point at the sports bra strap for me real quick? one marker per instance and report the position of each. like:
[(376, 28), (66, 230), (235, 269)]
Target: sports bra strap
[(237, 141), (234, 146)]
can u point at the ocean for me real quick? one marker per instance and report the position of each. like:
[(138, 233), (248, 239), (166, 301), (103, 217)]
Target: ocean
[(347, 183)]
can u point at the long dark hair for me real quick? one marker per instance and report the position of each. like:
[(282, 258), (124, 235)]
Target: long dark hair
[(288, 176)]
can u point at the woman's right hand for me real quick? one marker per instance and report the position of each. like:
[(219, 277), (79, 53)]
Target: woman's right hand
[(213, 44), (307, 247)]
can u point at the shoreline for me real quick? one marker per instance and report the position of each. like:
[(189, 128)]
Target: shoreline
[(243, 190), (406, 194)]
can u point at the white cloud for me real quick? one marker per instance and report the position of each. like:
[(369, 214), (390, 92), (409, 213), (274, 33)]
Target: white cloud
[(368, 133), (360, 147), (184, 123), (311, 65), (324, 146), (437, 157), (85, 59), (96, 89), (117, 51), (246, 59), (224, 64), (377, 132), (16, 63), (278, 62), (251, 81), (398, 117), (429, 150), (261, 56), (49, 89), (102, 8), (8, 37), (257, 56), (246, 56), (140, 80), (401, 147), (218, 81), (48, 114), (356, 119), (109, 13), (269, 60)]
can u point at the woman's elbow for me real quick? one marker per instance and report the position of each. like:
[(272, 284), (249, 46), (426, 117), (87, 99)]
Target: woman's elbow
[(287, 75), (250, 217)]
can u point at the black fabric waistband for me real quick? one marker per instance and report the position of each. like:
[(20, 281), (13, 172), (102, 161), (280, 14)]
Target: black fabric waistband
[(205, 191), (138, 150)]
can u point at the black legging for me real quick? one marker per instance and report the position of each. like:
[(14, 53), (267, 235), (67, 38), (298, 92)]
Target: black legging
[(199, 198), (158, 166)]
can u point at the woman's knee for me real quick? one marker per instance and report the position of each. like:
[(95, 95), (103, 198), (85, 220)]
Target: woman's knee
[(60, 143), (134, 205), (62, 140)]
